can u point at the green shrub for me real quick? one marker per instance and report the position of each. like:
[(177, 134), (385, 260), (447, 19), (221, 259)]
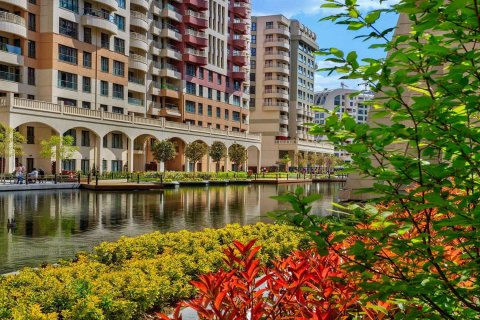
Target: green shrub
[(129, 277)]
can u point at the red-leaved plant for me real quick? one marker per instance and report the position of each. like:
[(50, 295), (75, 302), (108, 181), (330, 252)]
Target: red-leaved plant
[(304, 285)]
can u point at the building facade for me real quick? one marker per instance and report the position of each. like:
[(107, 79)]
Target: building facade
[(354, 106), (176, 61), (282, 87)]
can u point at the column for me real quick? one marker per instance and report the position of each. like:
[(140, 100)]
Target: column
[(130, 154), (208, 163), (58, 158), (259, 160), (10, 154), (187, 164), (99, 151), (227, 164)]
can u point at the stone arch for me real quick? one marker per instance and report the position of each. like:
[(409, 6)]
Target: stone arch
[(34, 132), (222, 164), (177, 164), (254, 155), (204, 164), (116, 151), (143, 159), (85, 159)]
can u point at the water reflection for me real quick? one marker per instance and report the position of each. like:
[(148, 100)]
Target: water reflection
[(56, 224)]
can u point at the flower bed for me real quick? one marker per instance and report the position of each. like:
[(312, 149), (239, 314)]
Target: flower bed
[(127, 278)]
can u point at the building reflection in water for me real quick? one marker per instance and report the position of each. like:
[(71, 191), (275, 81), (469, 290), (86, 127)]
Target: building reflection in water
[(56, 224)]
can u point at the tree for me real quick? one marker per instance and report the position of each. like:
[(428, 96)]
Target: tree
[(58, 147), (10, 144), (417, 243), (238, 154), (164, 150), (217, 152), (285, 160), (195, 151), (300, 159)]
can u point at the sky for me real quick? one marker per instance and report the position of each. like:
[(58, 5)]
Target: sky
[(329, 35)]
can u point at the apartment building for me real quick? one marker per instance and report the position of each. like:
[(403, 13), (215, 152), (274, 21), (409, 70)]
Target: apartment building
[(353, 105), (174, 61), (282, 87)]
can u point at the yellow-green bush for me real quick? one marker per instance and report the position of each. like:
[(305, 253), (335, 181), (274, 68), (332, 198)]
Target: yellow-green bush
[(125, 279)]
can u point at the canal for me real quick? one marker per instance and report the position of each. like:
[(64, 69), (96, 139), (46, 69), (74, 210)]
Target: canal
[(56, 224)]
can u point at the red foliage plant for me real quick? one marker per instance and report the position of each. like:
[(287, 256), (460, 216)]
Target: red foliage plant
[(304, 285)]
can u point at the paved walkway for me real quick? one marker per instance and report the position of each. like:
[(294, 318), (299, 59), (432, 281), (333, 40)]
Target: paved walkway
[(38, 186)]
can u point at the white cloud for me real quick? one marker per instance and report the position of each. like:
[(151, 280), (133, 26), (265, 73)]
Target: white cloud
[(309, 7)]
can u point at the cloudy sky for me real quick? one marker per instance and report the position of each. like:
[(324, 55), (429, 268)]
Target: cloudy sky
[(328, 34)]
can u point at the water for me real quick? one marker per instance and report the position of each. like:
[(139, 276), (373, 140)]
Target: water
[(56, 224)]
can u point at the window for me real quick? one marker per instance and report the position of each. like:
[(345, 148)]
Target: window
[(227, 97), (30, 97), (190, 106), (116, 165), (117, 92), (254, 26), (31, 22), (210, 93), (67, 54), (200, 91), (219, 95), (72, 133), (227, 82), (119, 45), (236, 116), (254, 39), (269, 25), (32, 50), (210, 76), (105, 41), (227, 115), (200, 123), (31, 76), (117, 142), (219, 78), (85, 166), (67, 80), (30, 135), (71, 5), (253, 51), (87, 35), (200, 108), (69, 165), (104, 88), (68, 28), (86, 105), (105, 141), (67, 101), (117, 109), (86, 85), (118, 68), (104, 163), (236, 100), (209, 111), (104, 107), (87, 59), (120, 22), (121, 4), (85, 138), (191, 70), (104, 64), (191, 88), (200, 73), (219, 112)]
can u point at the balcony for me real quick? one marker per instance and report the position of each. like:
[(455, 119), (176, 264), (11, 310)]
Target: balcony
[(283, 132), (241, 9), (240, 27), (171, 52), (279, 55), (277, 81), (137, 62), (17, 3), (136, 84), (196, 38), (277, 68), (135, 101), (198, 19), (239, 43), (283, 119), (283, 30), (279, 94), (239, 59), (99, 19), (138, 41), (169, 110), (11, 55), (110, 4), (171, 32), (195, 56), (171, 12), (276, 106), (11, 23), (240, 75), (166, 90), (139, 20), (167, 70), (199, 4), (141, 3), (278, 42)]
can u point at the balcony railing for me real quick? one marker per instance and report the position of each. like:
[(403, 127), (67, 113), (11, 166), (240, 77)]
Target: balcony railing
[(196, 33), (10, 49), (13, 18), (138, 15), (138, 36), (136, 80), (169, 6), (99, 14), (168, 86), (195, 14), (135, 101), (200, 53), (137, 57), (9, 76), (64, 84)]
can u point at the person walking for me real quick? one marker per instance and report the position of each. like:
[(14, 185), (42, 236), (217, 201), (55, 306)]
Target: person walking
[(19, 171)]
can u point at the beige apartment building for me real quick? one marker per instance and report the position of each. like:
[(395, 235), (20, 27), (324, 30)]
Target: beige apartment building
[(180, 64), (282, 88)]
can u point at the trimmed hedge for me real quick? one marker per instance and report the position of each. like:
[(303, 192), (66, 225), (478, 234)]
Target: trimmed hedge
[(133, 276)]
